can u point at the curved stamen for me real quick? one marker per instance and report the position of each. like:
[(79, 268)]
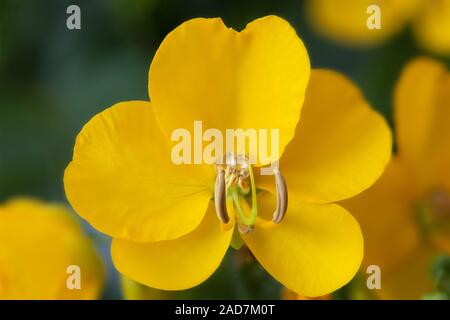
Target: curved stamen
[(220, 198), (282, 197)]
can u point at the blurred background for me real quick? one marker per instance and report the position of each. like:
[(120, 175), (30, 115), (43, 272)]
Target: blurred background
[(53, 80)]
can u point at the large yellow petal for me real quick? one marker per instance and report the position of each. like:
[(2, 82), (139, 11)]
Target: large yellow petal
[(38, 242), (346, 21), (432, 27), (123, 181), (254, 79), (341, 145), (387, 218), (315, 250), (422, 116), (174, 264)]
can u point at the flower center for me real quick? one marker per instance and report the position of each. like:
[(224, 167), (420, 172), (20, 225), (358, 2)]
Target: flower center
[(234, 183), (434, 211), (439, 202)]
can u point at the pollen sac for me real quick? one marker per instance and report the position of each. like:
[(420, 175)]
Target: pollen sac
[(237, 173), (220, 198), (244, 183), (244, 229)]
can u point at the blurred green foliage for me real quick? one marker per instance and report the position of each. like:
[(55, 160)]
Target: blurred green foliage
[(440, 273), (53, 80)]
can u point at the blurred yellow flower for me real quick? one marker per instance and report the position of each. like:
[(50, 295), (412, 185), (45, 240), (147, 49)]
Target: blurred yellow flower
[(405, 216), (38, 243), (346, 21), (161, 215), (287, 294)]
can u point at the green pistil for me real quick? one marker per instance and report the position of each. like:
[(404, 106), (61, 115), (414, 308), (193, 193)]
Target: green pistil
[(233, 192), (243, 217)]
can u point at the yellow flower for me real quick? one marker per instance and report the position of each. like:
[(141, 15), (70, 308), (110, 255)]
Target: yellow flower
[(405, 216), (161, 215), (38, 244), (346, 21)]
